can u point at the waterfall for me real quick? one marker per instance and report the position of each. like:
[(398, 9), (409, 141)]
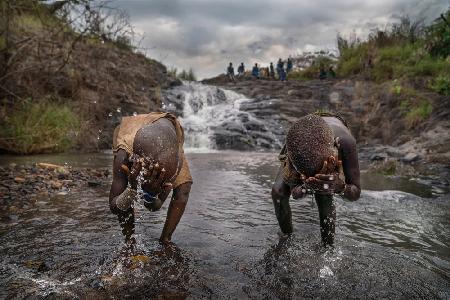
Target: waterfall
[(212, 118)]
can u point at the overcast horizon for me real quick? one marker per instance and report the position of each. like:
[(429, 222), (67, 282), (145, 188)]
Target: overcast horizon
[(206, 35)]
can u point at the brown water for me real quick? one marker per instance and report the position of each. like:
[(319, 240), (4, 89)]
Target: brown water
[(394, 242)]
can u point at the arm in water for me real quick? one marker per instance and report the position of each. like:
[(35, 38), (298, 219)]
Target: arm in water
[(175, 212), (118, 188), (350, 164)]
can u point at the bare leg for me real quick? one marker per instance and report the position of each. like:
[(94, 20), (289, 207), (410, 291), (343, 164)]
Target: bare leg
[(280, 197), (327, 215)]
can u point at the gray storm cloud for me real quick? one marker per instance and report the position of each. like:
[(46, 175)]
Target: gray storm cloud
[(207, 34)]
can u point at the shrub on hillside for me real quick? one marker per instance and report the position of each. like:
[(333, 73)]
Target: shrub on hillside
[(441, 85), (438, 36), (36, 127), (187, 75), (415, 106)]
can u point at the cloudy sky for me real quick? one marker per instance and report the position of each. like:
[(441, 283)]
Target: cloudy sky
[(207, 34)]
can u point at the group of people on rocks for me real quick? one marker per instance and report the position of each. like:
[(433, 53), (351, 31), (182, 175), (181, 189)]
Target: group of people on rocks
[(260, 72), (269, 72)]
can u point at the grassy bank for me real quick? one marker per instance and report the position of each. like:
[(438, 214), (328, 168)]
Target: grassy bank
[(41, 126), (407, 51), (412, 57), (63, 64)]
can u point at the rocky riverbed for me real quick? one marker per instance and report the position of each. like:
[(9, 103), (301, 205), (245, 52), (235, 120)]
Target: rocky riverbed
[(22, 186)]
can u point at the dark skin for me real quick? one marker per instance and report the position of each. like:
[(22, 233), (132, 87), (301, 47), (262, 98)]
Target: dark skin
[(324, 184), (158, 168)]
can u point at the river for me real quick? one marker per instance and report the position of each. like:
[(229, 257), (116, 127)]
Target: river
[(394, 242), (390, 243)]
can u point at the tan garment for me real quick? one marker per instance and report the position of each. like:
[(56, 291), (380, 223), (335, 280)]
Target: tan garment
[(125, 133)]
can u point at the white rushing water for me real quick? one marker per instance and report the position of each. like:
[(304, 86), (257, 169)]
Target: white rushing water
[(206, 112)]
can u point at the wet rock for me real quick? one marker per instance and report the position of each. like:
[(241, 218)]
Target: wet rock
[(56, 184), (19, 179), (139, 259), (14, 209), (378, 157), (13, 218), (62, 176), (37, 265), (232, 140), (49, 166), (93, 183), (411, 157)]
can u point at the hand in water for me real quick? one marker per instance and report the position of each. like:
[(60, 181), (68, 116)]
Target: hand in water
[(154, 177), (327, 181), (133, 174), (300, 190)]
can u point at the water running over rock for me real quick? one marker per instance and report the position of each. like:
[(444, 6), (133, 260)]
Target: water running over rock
[(214, 118)]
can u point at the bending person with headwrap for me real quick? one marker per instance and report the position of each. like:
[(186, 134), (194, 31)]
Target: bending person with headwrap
[(148, 152), (317, 147)]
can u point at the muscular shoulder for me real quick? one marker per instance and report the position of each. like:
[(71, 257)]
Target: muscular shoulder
[(346, 143)]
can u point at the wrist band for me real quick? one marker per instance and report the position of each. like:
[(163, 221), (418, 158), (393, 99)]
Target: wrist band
[(149, 198)]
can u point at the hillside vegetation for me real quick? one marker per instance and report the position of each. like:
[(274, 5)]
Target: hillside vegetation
[(406, 51), (408, 59), (68, 71)]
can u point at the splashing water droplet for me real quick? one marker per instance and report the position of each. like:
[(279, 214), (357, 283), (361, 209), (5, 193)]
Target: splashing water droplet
[(325, 272), (135, 113), (110, 114), (119, 109)]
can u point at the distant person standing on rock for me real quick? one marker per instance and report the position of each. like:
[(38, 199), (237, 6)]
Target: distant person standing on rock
[(255, 71), (316, 148), (331, 73), (148, 153), (289, 65), (241, 70), (322, 73), (230, 72), (272, 71), (280, 67), (282, 74)]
